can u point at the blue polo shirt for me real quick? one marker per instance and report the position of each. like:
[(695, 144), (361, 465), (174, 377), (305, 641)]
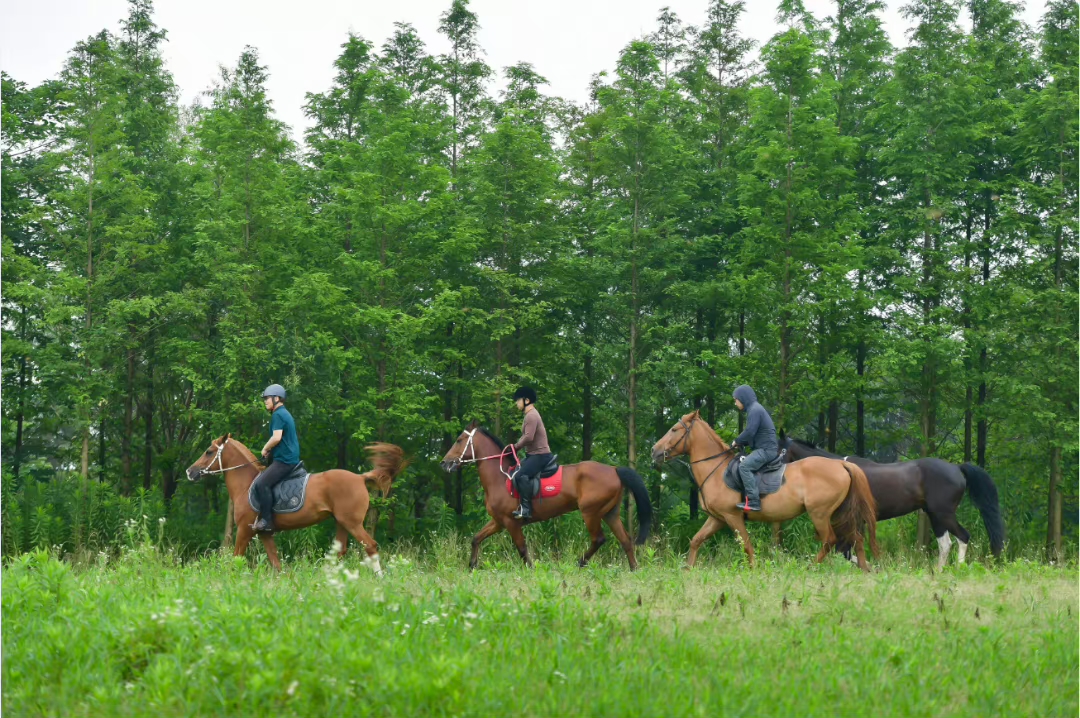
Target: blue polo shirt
[(288, 449)]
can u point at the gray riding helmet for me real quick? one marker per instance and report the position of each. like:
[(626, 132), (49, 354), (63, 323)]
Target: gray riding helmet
[(274, 390)]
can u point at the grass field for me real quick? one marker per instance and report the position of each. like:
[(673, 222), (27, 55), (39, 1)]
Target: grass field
[(143, 634)]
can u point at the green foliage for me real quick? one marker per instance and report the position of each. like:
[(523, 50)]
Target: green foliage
[(883, 242)]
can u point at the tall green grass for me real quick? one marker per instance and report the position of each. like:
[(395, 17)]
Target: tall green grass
[(142, 632)]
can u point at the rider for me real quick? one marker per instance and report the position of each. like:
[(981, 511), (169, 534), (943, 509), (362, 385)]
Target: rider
[(534, 442), (760, 435), (285, 448)]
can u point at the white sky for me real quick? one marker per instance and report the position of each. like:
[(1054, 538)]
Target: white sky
[(567, 41)]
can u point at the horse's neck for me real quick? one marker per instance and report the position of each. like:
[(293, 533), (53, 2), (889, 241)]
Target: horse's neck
[(238, 480), (490, 475), (702, 448)]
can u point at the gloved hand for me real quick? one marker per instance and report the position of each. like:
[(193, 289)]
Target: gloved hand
[(266, 459)]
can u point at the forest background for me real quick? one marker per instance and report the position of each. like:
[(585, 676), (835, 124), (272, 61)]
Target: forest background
[(881, 241)]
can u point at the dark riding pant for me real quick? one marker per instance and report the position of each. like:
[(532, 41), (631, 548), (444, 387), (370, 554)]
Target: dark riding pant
[(530, 471), (754, 461), (265, 482)]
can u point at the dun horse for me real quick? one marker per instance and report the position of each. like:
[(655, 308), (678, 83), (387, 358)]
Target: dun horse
[(596, 489), (934, 485), (834, 493), (338, 493)]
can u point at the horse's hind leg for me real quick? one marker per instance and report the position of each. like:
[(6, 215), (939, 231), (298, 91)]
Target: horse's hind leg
[(596, 533), (356, 528), (944, 524), (860, 553), (825, 533), (617, 528)]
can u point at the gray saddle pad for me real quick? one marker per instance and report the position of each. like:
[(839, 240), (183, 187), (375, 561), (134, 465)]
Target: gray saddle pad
[(289, 494), (770, 477)]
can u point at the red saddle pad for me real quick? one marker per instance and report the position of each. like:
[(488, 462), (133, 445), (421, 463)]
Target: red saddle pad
[(551, 486)]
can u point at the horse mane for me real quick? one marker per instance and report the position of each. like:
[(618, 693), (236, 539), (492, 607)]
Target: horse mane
[(813, 447), (715, 436), (498, 442), (804, 443), (247, 453)]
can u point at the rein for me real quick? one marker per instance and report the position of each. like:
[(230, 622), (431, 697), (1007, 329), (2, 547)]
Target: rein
[(471, 447), (689, 464), (221, 469)]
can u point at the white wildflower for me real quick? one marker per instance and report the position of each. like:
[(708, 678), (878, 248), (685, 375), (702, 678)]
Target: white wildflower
[(161, 520), (292, 687), (430, 619), (351, 575), (467, 625), (560, 674)]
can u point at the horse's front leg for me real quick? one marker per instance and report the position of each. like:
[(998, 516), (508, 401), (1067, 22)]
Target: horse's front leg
[(519, 540), (490, 529), (271, 549), (712, 525), (739, 524)]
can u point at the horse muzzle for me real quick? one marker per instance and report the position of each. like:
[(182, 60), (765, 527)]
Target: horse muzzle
[(660, 456), (195, 474), (450, 465)]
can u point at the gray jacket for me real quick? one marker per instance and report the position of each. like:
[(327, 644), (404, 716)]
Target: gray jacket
[(760, 433)]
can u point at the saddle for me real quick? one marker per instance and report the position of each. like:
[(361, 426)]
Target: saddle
[(550, 483), (289, 494), (770, 477)]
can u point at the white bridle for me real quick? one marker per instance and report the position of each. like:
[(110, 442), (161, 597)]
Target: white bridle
[(221, 469), (470, 447)]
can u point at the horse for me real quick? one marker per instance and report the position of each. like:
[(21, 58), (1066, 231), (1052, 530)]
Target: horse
[(934, 485), (338, 493), (593, 488), (835, 493)]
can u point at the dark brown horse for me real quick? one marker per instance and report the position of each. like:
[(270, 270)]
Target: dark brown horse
[(834, 493), (338, 493), (930, 484), (596, 489)]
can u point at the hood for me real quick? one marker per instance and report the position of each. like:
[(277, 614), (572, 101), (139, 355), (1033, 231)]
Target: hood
[(746, 395)]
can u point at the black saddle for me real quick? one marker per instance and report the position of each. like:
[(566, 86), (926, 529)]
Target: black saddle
[(288, 494), (549, 468), (770, 477)]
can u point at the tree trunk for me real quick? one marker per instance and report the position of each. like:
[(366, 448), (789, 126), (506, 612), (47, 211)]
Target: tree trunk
[(586, 399), (1053, 507), (834, 419), (148, 418), (860, 404), (126, 479), (20, 417)]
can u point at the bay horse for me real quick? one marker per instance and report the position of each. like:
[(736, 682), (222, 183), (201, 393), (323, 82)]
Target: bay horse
[(338, 493), (594, 488), (933, 485), (835, 494)]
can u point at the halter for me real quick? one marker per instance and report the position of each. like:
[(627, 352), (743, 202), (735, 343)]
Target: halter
[(471, 447), (221, 469), (689, 464)]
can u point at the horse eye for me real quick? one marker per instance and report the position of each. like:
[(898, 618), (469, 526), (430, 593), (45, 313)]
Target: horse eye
[(208, 452)]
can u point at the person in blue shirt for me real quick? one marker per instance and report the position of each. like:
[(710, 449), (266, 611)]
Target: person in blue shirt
[(759, 435), (281, 454)]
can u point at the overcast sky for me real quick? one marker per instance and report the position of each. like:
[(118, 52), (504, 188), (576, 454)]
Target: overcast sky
[(567, 41)]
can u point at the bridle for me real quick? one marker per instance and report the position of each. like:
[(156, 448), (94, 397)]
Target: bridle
[(689, 464), (221, 469), (470, 447)]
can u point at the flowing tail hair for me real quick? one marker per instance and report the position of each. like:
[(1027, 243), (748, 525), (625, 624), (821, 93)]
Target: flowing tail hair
[(857, 510), (387, 461), (984, 495), (632, 480)]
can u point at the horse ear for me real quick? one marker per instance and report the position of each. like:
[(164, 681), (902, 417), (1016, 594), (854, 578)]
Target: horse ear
[(472, 425), (782, 436), (229, 435), (697, 413), (221, 439)]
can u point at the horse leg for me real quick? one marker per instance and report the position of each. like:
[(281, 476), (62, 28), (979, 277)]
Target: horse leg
[(271, 549), (617, 528), (342, 539), (860, 552), (243, 537), (944, 541), (519, 540), (826, 535), (744, 538), (371, 560), (712, 525), (948, 522), (490, 529), (596, 532)]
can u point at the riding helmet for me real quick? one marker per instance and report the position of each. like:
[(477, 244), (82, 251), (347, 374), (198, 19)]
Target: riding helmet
[(274, 390), (527, 393)]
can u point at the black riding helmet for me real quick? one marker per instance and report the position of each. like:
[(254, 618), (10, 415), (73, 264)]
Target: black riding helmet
[(527, 393)]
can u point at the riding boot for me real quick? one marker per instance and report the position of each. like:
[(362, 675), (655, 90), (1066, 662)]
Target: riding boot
[(753, 498), (525, 494), (265, 524)]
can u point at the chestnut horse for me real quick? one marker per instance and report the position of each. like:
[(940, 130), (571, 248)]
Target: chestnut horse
[(934, 485), (594, 488), (834, 493), (338, 493)]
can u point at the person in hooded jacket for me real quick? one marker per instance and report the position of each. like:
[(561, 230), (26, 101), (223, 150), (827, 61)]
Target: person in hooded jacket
[(760, 436)]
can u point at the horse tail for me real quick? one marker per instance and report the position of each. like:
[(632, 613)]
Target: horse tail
[(631, 480), (984, 495), (387, 461), (857, 510)]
